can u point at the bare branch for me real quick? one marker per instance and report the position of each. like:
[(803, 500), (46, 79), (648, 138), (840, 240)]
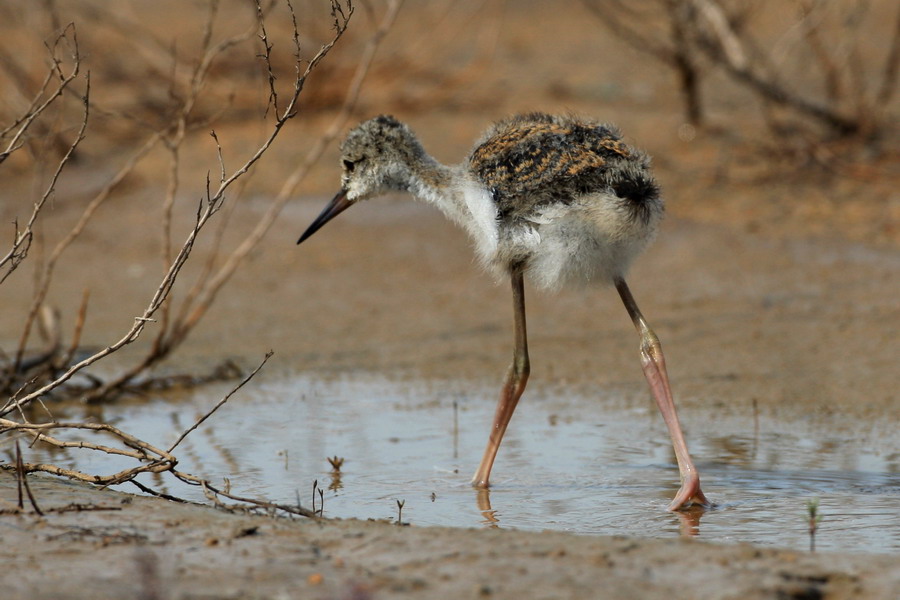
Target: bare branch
[(197, 79), (113, 479), (45, 277), (220, 403), (213, 203), (211, 290), (153, 459), (671, 47), (22, 241), (723, 46), (891, 67), (142, 450), (267, 59), (212, 493), (33, 106), (23, 481), (35, 110), (192, 311), (608, 14), (212, 133), (79, 327), (812, 22)]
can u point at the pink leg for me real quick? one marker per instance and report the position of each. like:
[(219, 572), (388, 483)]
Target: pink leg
[(516, 378), (654, 364)]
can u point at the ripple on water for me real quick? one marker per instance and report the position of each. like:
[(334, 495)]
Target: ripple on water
[(567, 464)]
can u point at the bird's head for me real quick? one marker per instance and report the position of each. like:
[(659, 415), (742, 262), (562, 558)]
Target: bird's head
[(375, 157)]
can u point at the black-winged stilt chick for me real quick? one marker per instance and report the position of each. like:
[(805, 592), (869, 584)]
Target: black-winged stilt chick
[(558, 199)]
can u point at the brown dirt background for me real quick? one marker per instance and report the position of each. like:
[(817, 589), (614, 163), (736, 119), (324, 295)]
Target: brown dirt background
[(769, 284)]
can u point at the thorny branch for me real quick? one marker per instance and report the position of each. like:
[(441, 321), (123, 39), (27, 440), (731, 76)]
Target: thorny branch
[(173, 329), (151, 458), (219, 405), (193, 312), (22, 239), (171, 334), (23, 482), (37, 106), (46, 275), (201, 296)]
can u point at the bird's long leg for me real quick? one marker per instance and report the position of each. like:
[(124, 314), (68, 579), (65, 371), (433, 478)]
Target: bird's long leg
[(516, 378), (654, 364)]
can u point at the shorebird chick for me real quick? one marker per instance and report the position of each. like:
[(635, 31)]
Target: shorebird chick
[(558, 199)]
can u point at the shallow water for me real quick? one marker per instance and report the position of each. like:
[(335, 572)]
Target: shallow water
[(568, 463)]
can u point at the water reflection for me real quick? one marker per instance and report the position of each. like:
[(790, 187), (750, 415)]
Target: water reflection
[(689, 518), (336, 463), (568, 463), (483, 502)]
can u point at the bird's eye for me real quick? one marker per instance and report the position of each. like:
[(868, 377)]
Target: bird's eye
[(348, 165)]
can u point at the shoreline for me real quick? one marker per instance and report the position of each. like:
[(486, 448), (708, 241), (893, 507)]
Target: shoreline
[(120, 545)]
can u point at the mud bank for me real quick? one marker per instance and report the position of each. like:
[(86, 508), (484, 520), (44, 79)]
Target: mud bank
[(103, 544)]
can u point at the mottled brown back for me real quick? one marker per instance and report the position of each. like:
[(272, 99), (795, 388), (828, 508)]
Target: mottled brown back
[(531, 160)]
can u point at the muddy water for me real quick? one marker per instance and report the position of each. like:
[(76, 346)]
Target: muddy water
[(568, 463)]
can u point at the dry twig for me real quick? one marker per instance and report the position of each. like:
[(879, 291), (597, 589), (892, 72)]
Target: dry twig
[(171, 334), (192, 313), (42, 100), (696, 36), (206, 288), (22, 239), (151, 458), (54, 370)]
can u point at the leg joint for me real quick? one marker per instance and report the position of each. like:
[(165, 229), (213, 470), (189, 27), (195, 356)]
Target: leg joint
[(650, 345), (521, 366)]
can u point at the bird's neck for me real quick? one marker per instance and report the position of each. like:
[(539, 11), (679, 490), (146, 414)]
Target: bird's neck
[(437, 184), (465, 202)]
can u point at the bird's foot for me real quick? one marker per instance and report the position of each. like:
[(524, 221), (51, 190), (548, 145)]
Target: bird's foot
[(689, 495), (480, 482)]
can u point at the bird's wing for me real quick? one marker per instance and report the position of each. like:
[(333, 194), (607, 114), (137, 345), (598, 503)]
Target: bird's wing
[(530, 160)]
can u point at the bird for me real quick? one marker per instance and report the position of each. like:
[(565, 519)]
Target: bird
[(559, 199)]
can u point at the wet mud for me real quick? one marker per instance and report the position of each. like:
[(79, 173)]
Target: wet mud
[(111, 545)]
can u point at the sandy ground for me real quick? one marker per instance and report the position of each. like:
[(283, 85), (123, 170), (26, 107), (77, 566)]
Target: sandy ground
[(766, 289), (111, 545)]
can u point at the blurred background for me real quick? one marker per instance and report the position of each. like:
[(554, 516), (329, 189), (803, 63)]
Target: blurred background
[(767, 118), (762, 114)]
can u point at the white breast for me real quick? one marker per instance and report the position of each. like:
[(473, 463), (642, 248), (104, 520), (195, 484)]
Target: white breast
[(481, 221), (591, 240)]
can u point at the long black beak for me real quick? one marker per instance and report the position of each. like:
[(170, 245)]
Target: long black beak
[(338, 204)]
